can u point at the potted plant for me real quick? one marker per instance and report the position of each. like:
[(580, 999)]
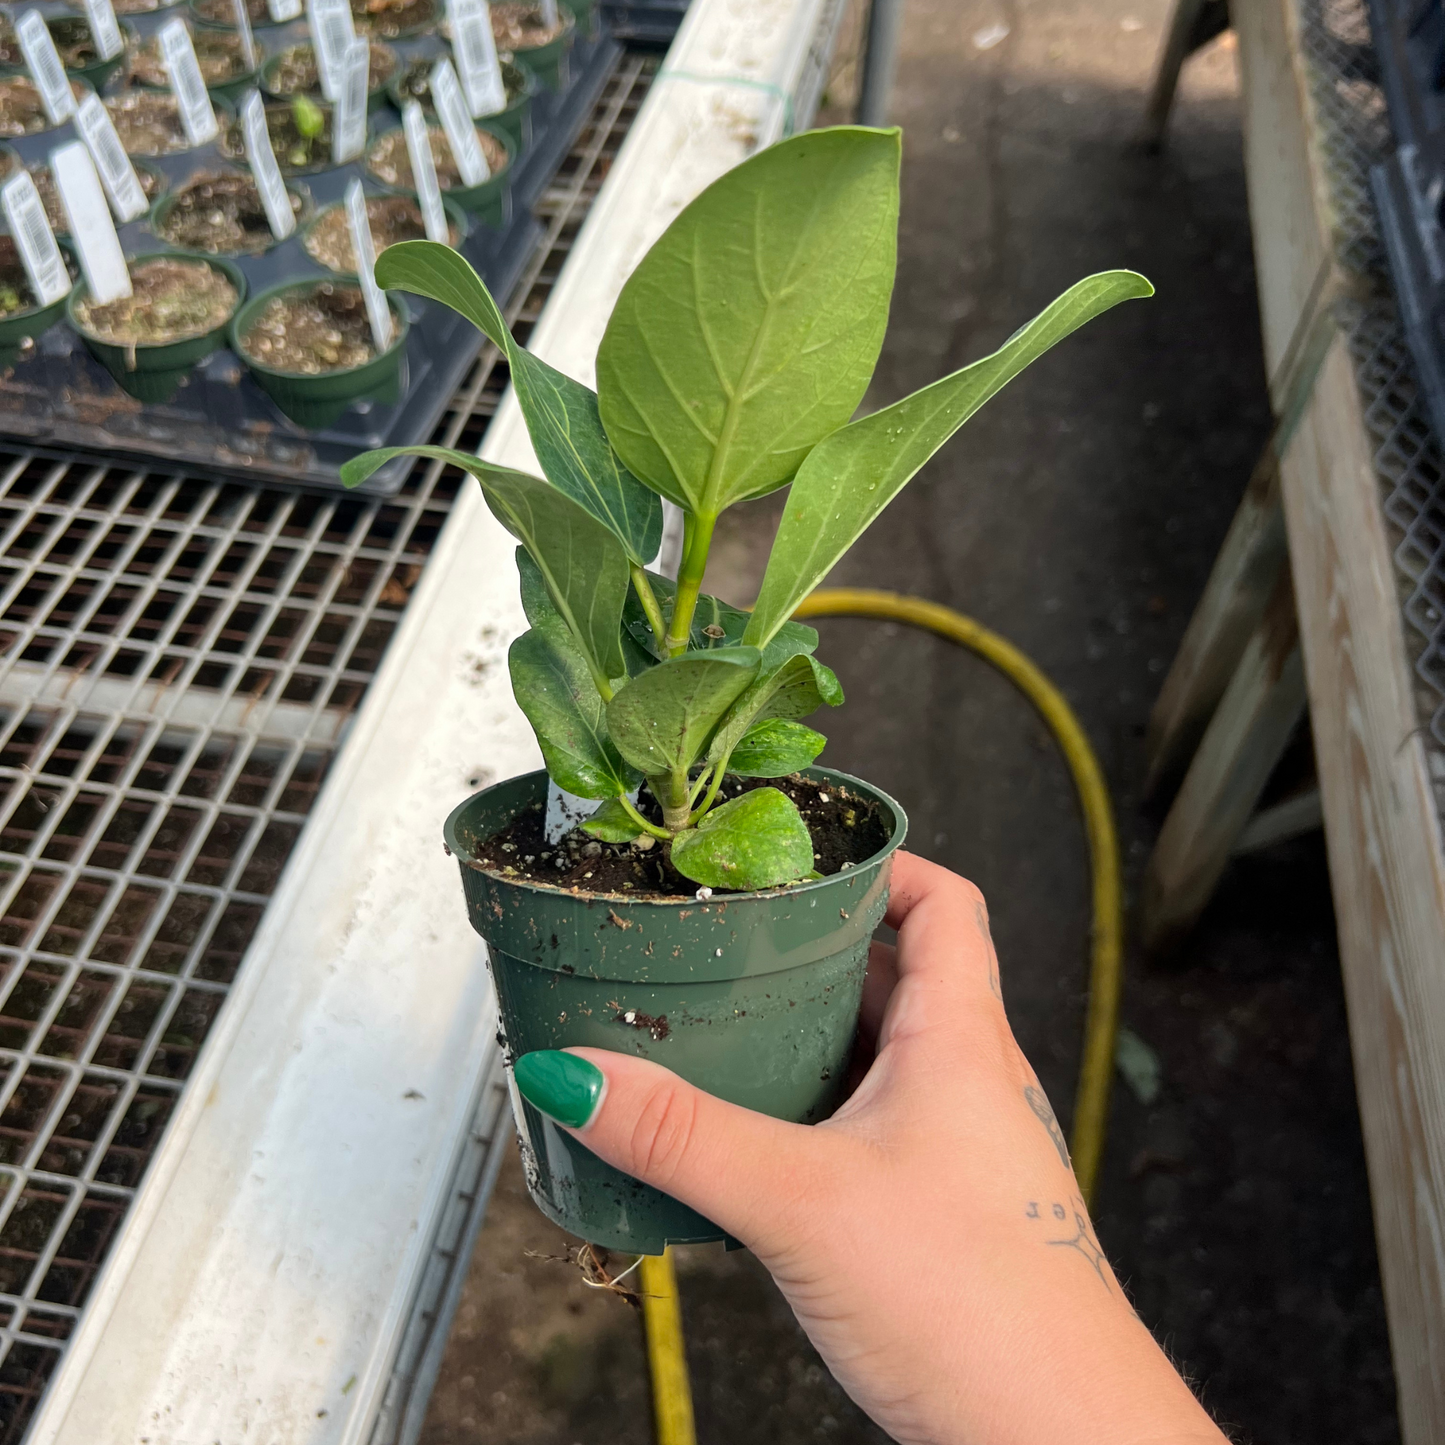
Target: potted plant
[(300, 134), (394, 19), (310, 347), (76, 48), (175, 316), (714, 912), (522, 33), (519, 86), (327, 239), (221, 214), (294, 71), (388, 161), (22, 317), (219, 54), (222, 15), (148, 122), (152, 182), (22, 112)]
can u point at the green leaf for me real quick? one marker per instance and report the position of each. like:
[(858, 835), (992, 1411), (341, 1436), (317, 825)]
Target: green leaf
[(554, 688), (612, 824), (756, 841), (582, 563), (662, 720), (727, 623), (751, 328), (775, 748), (561, 414), (852, 475), (800, 686)]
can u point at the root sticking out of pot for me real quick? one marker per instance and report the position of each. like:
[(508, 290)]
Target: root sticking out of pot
[(171, 300), (391, 218), (310, 333), (595, 1264)]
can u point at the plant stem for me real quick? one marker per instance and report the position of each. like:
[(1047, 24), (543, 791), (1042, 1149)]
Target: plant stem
[(689, 580), (707, 802), (648, 598), (671, 790), (640, 820)]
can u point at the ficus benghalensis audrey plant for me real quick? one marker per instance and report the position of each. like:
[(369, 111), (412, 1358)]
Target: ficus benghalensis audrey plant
[(732, 365)]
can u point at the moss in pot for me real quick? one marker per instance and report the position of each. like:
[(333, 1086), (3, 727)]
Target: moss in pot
[(388, 161), (394, 19), (327, 240), (22, 317), (300, 132), (22, 112), (414, 83), (152, 182), (176, 316), (294, 71), (77, 50), (220, 213), (310, 347), (219, 54), (714, 913), (522, 33)]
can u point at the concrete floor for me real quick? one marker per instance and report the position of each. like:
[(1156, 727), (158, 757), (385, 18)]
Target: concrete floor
[(1078, 515)]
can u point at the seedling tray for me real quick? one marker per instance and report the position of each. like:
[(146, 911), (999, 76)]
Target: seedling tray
[(651, 23), (59, 400)]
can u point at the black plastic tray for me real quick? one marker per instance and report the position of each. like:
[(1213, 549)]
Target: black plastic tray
[(59, 398), (653, 23)]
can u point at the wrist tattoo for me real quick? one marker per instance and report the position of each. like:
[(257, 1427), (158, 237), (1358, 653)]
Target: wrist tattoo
[(1038, 1101), (1069, 1228), (980, 914)]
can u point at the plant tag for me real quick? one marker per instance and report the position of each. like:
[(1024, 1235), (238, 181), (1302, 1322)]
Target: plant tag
[(377, 310), (44, 265), (348, 129), (550, 19), (104, 28), (283, 10), (91, 228), (452, 111), (424, 172), (189, 89), (122, 185), (243, 29), (43, 62), (267, 173), (476, 51), (332, 32)]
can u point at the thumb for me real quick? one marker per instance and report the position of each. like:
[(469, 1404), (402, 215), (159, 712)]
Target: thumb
[(748, 1173)]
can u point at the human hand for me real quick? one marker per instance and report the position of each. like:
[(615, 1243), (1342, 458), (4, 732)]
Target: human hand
[(930, 1236)]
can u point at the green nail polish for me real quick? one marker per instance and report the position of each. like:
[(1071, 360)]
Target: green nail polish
[(562, 1086)]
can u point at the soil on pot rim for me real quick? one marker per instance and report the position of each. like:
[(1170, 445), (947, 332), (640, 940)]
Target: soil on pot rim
[(22, 112), (309, 333), (221, 213), (73, 41), (389, 162), (151, 182), (16, 296), (391, 218), (392, 19), (148, 123), (294, 152), (218, 53), (847, 829), (523, 27), (172, 299), (221, 12), (296, 72)]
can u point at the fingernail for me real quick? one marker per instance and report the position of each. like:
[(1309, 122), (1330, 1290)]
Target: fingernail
[(562, 1086)]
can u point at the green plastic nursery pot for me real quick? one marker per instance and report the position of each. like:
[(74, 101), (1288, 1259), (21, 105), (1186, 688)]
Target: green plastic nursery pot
[(316, 401), (153, 373), (98, 71), (489, 201), (548, 62), (375, 96), (751, 996), (24, 326), (510, 123), (584, 12), (454, 213)]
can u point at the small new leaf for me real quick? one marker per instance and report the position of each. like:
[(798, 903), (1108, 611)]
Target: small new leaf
[(612, 823), (775, 748), (756, 841), (799, 687)]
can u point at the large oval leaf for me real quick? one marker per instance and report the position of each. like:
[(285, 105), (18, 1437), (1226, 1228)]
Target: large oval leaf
[(756, 841), (775, 748), (751, 328), (851, 476)]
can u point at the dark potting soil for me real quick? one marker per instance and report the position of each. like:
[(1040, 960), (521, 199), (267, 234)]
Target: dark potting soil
[(148, 123), (10, 51), (523, 27), (221, 213), (306, 333), (171, 300), (393, 19), (389, 162), (296, 71), (391, 219), (846, 828), (218, 53), (221, 12), (73, 41), (415, 83), (151, 182), (294, 151), (22, 112)]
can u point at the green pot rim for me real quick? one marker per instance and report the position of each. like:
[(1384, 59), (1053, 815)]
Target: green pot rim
[(165, 202), (460, 194), (252, 305), (453, 211)]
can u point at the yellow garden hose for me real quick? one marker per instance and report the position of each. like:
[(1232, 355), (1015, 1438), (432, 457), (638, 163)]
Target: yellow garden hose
[(671, 1393)]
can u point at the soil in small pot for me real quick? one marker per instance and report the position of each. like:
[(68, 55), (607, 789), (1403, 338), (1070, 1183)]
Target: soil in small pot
[(295, 152), (171, 300), (523, 27), (222, 13), (295, 71), (22, 112), (218, 53), (16, 295), (140, 7), (415, 83), (389, 162), (393, 19), (392, 219), (11, 55), (309, 333), (151, 182), (847, 830), (221, 213), (148, 123), (73, 41)]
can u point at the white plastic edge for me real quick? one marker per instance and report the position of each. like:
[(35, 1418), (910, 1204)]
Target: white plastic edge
[(263, 1277)]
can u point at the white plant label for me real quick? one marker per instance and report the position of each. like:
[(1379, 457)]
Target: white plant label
[(91, 228), (424, 172), (189, 89), (377, 310), (264, 169), (39, 254), (332, 33), (43, 63), (476, 51), (122, 185), (446, 94), (104, 28), (550, 19), (243, 29), (284, 10), (348, 129)]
